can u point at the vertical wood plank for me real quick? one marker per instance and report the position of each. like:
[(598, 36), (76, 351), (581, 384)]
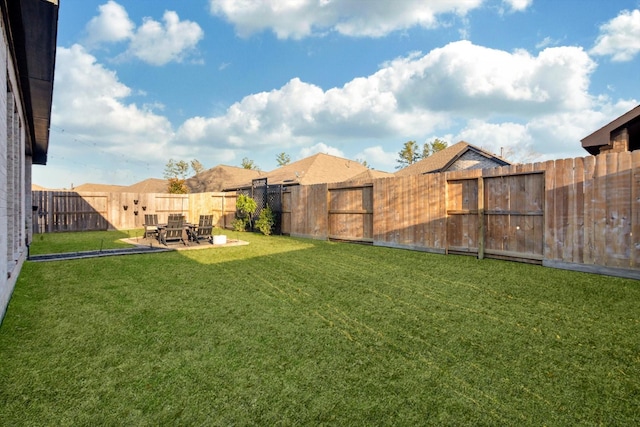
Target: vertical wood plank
[(634, 256), (600, 210), (549, 210), (481, 225)]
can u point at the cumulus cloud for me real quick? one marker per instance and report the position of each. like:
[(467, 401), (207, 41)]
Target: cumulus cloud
[(620, 37), (377, 156), (410, 97), (111, 25), (90, 103), (518, 5), (302, 18), (156, 43), (320, 147)]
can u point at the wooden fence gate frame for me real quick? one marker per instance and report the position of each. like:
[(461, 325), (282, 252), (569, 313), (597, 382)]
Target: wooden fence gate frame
[(498, 216)]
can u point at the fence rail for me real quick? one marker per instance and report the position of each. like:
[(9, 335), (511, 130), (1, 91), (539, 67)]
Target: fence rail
[(581, 214)]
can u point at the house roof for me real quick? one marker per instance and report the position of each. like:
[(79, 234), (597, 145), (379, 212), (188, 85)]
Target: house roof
[(442, 160), (149, 185), (32, 27), (221, 177), (602, 136), (99, 187), (317, 169), (369, 175)]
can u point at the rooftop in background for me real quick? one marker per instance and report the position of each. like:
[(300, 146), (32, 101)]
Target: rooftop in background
[(317, 169), (221, 177), (456, 157), (622, 134)]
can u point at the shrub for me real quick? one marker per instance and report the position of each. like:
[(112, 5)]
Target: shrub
[(240, 224), (245, 206), (266, 221)]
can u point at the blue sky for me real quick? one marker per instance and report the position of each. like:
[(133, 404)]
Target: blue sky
[(140, 82)]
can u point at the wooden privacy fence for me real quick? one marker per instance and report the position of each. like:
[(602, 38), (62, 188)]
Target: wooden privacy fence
[(85, 211), (581, 214)]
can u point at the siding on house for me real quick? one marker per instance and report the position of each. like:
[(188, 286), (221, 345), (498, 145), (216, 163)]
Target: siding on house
[(27, 59), (472, 160)]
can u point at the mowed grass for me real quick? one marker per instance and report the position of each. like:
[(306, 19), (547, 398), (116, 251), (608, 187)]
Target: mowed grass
[(296, 332)]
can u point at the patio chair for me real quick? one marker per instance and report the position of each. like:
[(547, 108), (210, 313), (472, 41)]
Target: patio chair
[(205, 228), (175, 230), (150, 225)]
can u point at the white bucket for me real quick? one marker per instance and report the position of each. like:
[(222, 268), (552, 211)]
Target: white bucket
[(219, 239)]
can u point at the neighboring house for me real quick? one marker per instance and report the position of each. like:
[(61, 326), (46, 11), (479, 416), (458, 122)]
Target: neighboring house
[(106, 188), (27, 52), (317, 169), (622, 134), (460, 156), (149, 185), (368, 176), (221, 177)]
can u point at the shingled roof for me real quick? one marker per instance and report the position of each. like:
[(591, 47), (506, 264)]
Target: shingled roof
[(601, 139), (317, 169), (107, 188), (368, 176), (443, 160), (149, 185), (221, 177)]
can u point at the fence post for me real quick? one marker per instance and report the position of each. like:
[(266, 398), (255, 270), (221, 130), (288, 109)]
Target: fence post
[(481, 228)]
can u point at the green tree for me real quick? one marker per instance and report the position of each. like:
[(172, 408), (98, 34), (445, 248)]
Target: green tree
[(432, 147), (249, 164), (283, 159), (175, 172), (197, 167), (246, 207), (408, 155), (363, 163), (266, 221)]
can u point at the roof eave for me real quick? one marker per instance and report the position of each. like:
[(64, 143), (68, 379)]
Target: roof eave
[(33, 27), (602, 136)]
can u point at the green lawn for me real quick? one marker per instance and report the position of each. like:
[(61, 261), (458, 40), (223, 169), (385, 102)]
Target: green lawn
[(298, 332)]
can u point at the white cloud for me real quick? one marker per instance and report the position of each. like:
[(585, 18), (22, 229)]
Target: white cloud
[(518, 5), (320, 147), (111, 25), (620, 37), (413, 97), (496, 137), (301, 18), (464, 77), (158, 44), (90, 106), (377, 156)]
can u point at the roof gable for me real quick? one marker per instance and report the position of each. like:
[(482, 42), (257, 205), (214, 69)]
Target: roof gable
[(602, 136), (444, 160)]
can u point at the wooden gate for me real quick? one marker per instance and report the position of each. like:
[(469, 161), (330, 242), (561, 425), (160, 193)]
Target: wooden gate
[(351, 213), (497, 217)]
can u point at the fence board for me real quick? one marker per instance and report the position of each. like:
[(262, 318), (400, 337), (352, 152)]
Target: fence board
[(600, 210), (574, 212), (588, 229), (634, 256)]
